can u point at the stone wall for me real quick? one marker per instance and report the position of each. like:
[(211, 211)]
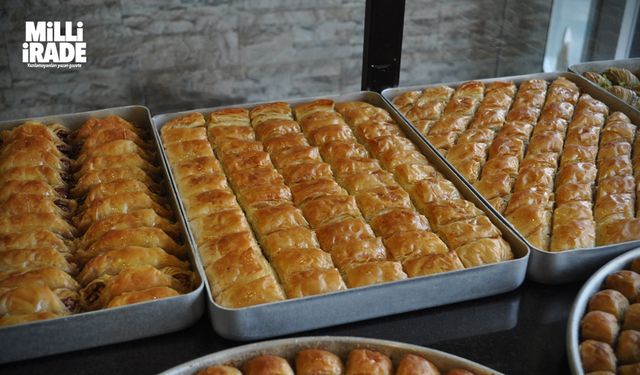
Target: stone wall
[(181, 54)]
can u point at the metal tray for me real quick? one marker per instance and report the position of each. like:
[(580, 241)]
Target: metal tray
[(341, 346), (592, 285), (600, 66), (102, 327), (280, 318), (545, 266)]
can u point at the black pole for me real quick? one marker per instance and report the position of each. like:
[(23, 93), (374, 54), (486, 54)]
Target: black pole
[(383, 24)]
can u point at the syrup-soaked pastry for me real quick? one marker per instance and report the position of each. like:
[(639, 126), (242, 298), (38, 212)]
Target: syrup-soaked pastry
[(615, 185), (413, 244), (127, 185), (265, 193), (575, 234), (263, 290), (229, 117), (312, 189), (316, 361), (267, 364), (373, 273), (619, 231), (120, 147), (97, 163), (610, 301), (540, 178), (632, 318), (93, 125), (23, 204), (574, 153), (568, 193), (597, 356), (284, 142), (331, 133), (237, 267), (38, 173), (197, 184), (540, 161), (296, 237), (398, 220), (54, 132), (219, 224), (188, 150), (264, 112), (219, 370), (177, 135), (432, 263), (9, 320), (293, 260), (628, 347), (620, 166), (96, 178), (99, 292), (296, 155), (307, 172), (347, 166), (49, 276), (358, 182), (197, 166), (371, 130), (249, 178), (614, 207), (114, 261), (443, 212), (613, 150), (485, 136), (484, 251), (468, 158), (364, 361), (313, 281), (245, 160), (390, 160), (32, 239), (212, 249), (29, 259), (342, 231), (134, 219), (408, 174), (506, 146), (118, 204), (358, 251), (464, 231), (138, 296), (217, 133), (633, 369), (31, 298), (331, 151), (31, 158), (412, 364), (234, 146), (431, 190), (270, 218), (626, 282), (406, 100), (377, 200), (330, 208), (275, 127), (319, 119), (190, 120), (209, 203), (13, 188), (534, 222), (600, 326)]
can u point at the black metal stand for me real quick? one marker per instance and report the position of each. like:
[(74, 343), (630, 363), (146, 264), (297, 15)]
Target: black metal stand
[(383, 25)]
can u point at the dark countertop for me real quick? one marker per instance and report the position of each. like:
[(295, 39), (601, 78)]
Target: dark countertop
[(521, 332)]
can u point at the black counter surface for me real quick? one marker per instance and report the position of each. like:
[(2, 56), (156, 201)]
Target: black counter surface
[(521, 332)]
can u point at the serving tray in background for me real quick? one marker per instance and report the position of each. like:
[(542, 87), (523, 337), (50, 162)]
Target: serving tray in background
[(341, 346), (284, 317), (108, 326), (545, 266)]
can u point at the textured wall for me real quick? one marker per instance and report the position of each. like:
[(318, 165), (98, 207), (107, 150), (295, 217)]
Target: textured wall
[(181, 54)]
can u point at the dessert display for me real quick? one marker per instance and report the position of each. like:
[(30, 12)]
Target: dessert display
[(620, 82), (291, 202), (553, 161), (85, 222)]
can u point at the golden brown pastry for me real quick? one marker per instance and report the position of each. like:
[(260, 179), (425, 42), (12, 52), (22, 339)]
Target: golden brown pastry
[(610, 301), (313, 281), (619, 231), (398, 220), (30, 259), (347, 166), (357, 251), (31, 298), (219, 224), (484, 251), (213, 248), (373, 273), (633, 369), (632, 318), (114, 261), (465, 231), (284, 142), (237, 267), (275, 127), (599, 326), (108, 189), (331, 151), (245, 160), (263, 290), (98, 163), (296, 155), (49, 276), (597, 356), (176, 135), (270, 218), (220, 370), (432, 263), (316, 361), (118, 204), (151, 294), (13, 188), (411, 364), (534, 222), (363, 361), (96, 178), (626, 282), (444, 212), (330, 208), (378, 200), (197, 166), (272, 194), (367, 180), (9, 320), (342, 231), (413, 244), (307, 172), (297, 237), (229, 117), (32, 239), (432, 190), (267, 364), (313, 189), (628, 347)]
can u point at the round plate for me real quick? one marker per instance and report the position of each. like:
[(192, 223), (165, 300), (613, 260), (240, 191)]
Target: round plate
[(592, 285), (341, 346)]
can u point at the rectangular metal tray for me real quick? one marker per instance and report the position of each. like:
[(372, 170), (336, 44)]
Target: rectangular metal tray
[(600, 66), (544, 266), (280, 318), (103, 327)]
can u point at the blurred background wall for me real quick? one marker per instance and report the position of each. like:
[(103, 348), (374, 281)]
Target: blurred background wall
[(182, 54)]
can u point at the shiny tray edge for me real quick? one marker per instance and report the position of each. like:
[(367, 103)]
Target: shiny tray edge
[(338, 344), (541, 259), (220, 315), (591, 286), (69, 333)]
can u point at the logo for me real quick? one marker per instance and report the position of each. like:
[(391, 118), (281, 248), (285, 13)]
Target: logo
[(54, 44)]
